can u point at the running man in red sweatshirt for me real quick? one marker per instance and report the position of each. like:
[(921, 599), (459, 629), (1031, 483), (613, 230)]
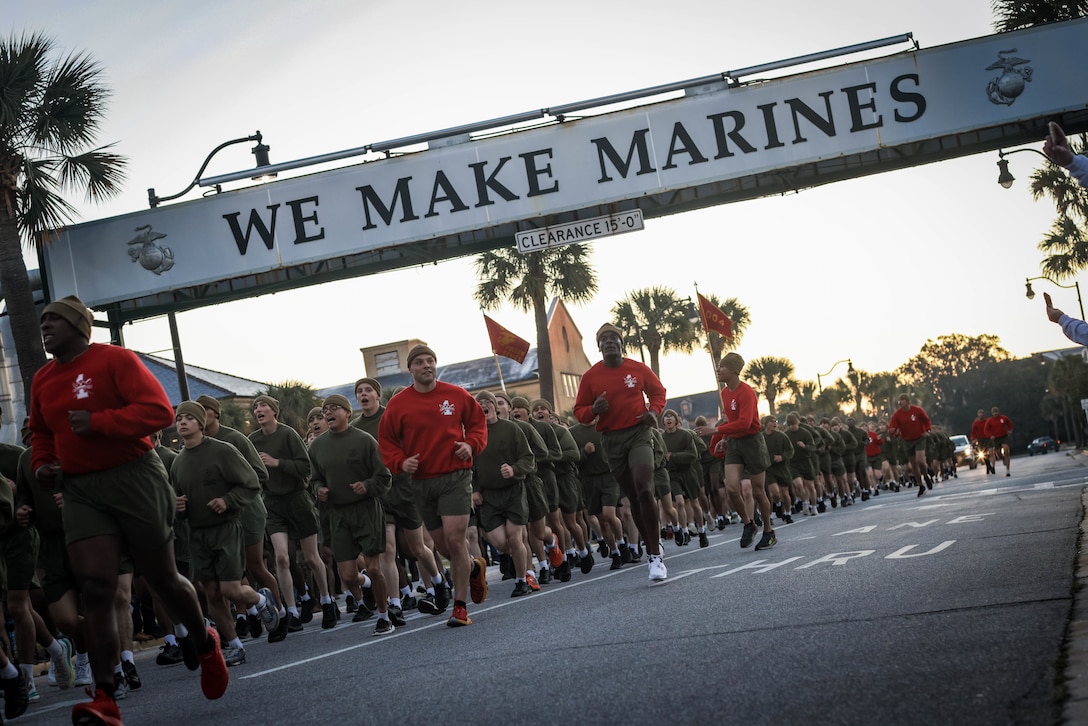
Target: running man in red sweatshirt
[(911, 424), (626, 397)]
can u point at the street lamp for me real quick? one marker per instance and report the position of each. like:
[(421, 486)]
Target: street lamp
[(1076, 285), (1004, 176), (260, 151), (849, 370)]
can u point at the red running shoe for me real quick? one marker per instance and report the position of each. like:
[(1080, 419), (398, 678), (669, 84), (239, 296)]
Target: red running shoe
[(213, 670), (101, 711)]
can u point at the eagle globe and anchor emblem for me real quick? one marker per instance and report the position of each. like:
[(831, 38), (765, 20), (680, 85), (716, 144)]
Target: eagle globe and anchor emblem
[(153, 257), (1005, 88)]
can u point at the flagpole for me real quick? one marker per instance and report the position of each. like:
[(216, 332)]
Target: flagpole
[(498, 368)]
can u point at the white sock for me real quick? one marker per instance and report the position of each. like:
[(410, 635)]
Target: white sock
[(236, 643), (364, 580), (126, 655), (10, 671), (55, 649)]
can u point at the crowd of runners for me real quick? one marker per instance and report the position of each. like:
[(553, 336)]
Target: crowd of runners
[(381, 508)]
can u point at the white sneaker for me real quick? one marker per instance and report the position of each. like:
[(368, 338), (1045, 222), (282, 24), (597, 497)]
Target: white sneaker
[(657, 568), (83, 674), (60, 669)]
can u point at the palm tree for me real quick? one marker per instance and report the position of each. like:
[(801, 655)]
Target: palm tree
[(738, 315), (659, 321), (1017, 14), (854, 386), (882, 391), (50, 111), (528, 281), (771, 376), (804, 396), (296, 399)]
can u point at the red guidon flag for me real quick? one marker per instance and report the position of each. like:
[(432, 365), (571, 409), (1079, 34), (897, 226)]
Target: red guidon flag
[(505, 343), (713, 318)]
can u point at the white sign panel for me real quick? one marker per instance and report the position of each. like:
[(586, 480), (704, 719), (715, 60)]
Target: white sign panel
[(698, 139), (537, 240)]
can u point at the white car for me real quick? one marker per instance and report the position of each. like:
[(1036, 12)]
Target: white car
[(965, 453)]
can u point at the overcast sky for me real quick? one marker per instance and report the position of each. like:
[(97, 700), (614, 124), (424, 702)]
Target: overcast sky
[(867, 269)]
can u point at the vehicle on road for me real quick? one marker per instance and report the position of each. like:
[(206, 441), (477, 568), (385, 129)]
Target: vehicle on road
[(965, 453), (1044, 445)]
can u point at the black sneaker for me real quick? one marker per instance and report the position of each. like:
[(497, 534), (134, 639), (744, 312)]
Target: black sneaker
[(294, 624), (562, 573), (362, 613), (587, 564), (131, 675), (703, 541), (407, 602), (368, 598), (241, 627), (428, 605), (678, 537), (278, 633), (748, 535), (384, 627), (722, 522), (602, 549), (617, 561), (788, 519), (349, 603), (767, 541), (441, 597), (120, 686), (16, 695), (821, 507), (758, 519), (834, 502), (625, 554), (521, 587), (921, 490), (636, 555), (328, 615), (396, 616), (189, 655), (168, 655), (254, 625), (306, 612)]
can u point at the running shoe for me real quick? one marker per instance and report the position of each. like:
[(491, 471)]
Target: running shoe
[(922, 491), (767, 541), (555, 554), (460, 617), (362, 613), (269, 614), (408, 602), (328, 615), (32, 695), (83, 674), (213, 670), (278, 633), (530, 580), (478, 580), (441, 596), (520, 588), (253, 626), (658, 572), (15, 695), (120, 686), (168, 655), (562, 573), (617, 561), (703, 540), (234, 656), (294, 623), (63, 673), (545, 576), (586, 565), (428, 605), (748, 535), (384, 627), (51, 676), (102, 710), (131, 675), (368, 598), (306, 611), (349, 603), (396, 616)]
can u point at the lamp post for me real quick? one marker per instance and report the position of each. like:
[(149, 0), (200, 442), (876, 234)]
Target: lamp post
[(849, 370), (1030, 294), (1004, 176), (260, 151)]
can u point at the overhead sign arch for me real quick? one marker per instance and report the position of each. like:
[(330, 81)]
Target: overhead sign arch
[(717, 144)]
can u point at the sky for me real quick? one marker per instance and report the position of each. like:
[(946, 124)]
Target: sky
[(867, 269)]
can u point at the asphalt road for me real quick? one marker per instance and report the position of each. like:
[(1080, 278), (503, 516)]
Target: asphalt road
[(952, 608)]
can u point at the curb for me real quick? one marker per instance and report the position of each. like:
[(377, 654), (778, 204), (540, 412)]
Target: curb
[(1075, 709)]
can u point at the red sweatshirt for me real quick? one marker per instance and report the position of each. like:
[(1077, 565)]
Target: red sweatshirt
[(740, 408), (997, 426), (911, 424), (978, 430), (431, 424), (627, 388), (876, 443), (127, 404)]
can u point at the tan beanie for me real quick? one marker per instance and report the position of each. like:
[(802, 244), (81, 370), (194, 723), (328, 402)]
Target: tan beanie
[(268, 401), (195, 410), (418, 350), (72, 309), (315, 411), (209, 402), (487, 396), (542, 402), (520, 402), (337, 400), (609, 327), (370, 382)]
